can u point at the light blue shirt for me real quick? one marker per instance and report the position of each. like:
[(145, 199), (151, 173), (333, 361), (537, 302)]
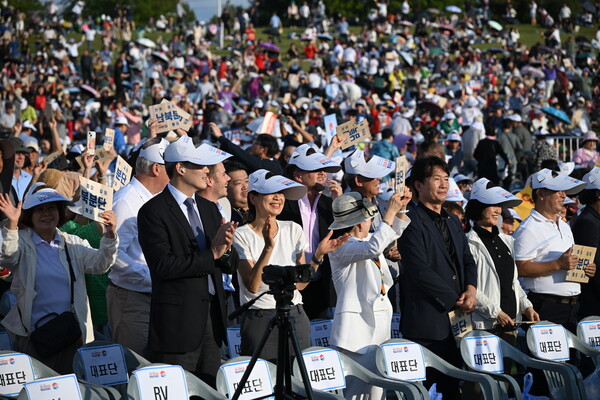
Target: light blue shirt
[(20, 184)]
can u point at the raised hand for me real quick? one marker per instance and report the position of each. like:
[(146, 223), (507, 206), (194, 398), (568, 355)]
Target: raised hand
[(12, 213), (110, 223)]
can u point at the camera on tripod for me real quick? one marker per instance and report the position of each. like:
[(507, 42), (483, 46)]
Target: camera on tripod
[(280, 278)]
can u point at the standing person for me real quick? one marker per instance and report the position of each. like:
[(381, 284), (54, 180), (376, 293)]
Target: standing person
[(362, 280), (543, 247), (276, 26), (130, 288), (486, 154), (21, 178), (267, 241), (237, 191), (440, 274), (586, 232), (187, 248), (313, 213), (48, 266)]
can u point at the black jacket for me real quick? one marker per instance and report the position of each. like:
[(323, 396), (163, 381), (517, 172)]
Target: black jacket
[(586, 232)]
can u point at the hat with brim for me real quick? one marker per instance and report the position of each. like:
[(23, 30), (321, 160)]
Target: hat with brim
[(454, 193), (183, 150), (42, 196), (552, 180), (259, 183), (592, 179), (454, 137), (589, 136), (493, 196), (569, 201), (8, 156), (19, 146), (376, 167), (312, 162), (155, 153), (460, 178), (515, 118), (351, 209)]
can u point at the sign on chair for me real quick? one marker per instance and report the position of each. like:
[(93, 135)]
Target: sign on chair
[(57, 387), (551, 342), (320, 332), (325, 369), (161, 383), (591, 332), (234, 340), (404, 361), (104, 365), (486, 353), (15, 370), (259, 382)]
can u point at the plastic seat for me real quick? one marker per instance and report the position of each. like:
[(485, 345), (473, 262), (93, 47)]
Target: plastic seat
[(196, 387), (40, 370), (88, 392), (593, 320), (297, 385), (489, 387), (404, 390)]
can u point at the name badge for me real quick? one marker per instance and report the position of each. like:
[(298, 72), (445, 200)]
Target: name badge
[(104, 365), (486, 353), (591, 332), (58, 387), (325, 370), (15, 371), (234, 340), (161, 383), (259, 382), (404, 361), (320, 332), (551, 342)]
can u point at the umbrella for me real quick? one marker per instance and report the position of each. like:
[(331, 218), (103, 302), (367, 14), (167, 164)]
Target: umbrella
[(90, 90), (495, 25), (406, 23), (73, 90), (581, 39), (194, 60), (431, 108), (407, 57), (324, 36), (558, 114), (446, 27), (453, 9), (433, 11), (589, 7), (269, 46), (160, 56), (534, 72), (146, 43)]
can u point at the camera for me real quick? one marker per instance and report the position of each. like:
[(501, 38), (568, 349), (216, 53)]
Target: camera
[(280, 277)]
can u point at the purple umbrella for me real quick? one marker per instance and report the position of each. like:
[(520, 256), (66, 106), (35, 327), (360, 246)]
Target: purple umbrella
[(90, 90), (269, 46)]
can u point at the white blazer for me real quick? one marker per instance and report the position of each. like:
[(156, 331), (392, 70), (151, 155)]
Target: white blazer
[(357, 282)]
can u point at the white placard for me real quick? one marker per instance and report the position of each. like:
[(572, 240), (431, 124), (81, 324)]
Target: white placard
[(161, 383), (15, 370), (330, 122), (109, 139), (58, 387), (5, 341), (404, 361), (104, 365), (396, 334), (486, 353), (400, 175), (591, 332), (259, 382), (96, 198), (551, 342), (325, 370), (320, 332), (234, 340), (122, 174)]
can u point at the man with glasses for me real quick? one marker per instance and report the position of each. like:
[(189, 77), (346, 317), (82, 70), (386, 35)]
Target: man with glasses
[(129, 292)]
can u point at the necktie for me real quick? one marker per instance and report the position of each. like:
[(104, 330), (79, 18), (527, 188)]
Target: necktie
[(198, 233), (378, 264)]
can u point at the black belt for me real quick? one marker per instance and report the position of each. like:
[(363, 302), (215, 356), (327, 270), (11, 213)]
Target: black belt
[(110, 283), (572, 300)]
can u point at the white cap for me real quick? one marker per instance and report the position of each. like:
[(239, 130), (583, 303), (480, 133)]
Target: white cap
[(77, 149), (183, 149), (376, 167), (28, 125), (76, 104), (46, 195), (155, 152), (495, 195), (454, 137), (460, 177), (515, 118), (312, 162), (448, 115), (258, 104), (121, 120), (568, 201), (472, 102), (275, 184), (515, 214), (454, 193), (552, 180), (592, 178)]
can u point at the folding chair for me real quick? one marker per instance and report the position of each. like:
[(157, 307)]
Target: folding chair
[(195, 386), (429, 359), (297, 385), (404, 390)]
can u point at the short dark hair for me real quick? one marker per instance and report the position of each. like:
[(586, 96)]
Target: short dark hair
[(269, 142), (234, 165), (588, 196), (424, 167), (475, 209), (386, 133)]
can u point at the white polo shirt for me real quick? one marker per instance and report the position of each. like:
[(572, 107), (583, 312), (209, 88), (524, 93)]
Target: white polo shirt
[(541, 239)]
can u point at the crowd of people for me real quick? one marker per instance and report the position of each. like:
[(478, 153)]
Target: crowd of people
[(499, 144)]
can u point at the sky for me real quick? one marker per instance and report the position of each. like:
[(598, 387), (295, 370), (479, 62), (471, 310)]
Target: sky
[(205, 9)]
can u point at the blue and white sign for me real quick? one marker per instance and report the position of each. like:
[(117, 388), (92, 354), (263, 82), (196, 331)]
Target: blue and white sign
[(104, 365), (551, 342), (161, 383), (486, 353), (325, 370), (57, 387), (259, 382), (404, 361)]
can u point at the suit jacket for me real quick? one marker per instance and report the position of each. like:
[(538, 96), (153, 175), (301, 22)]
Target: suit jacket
[(180, 302), (319, 294), (429, 279)]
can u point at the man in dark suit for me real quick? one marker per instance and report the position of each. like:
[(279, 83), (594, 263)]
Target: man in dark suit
[(440, 274), (314, 213), (187, 246)]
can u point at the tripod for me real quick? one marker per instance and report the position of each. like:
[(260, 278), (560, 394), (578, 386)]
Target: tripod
[(287, 332)]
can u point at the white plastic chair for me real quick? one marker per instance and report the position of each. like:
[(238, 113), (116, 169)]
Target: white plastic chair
[(40, 370), (88, 391), (595, 321)]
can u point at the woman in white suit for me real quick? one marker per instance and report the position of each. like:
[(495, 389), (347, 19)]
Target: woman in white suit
[(362, 280)]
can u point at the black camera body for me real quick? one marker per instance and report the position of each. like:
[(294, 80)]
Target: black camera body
[(281, 277)]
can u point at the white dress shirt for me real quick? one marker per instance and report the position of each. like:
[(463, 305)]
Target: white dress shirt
[(130, 271)]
